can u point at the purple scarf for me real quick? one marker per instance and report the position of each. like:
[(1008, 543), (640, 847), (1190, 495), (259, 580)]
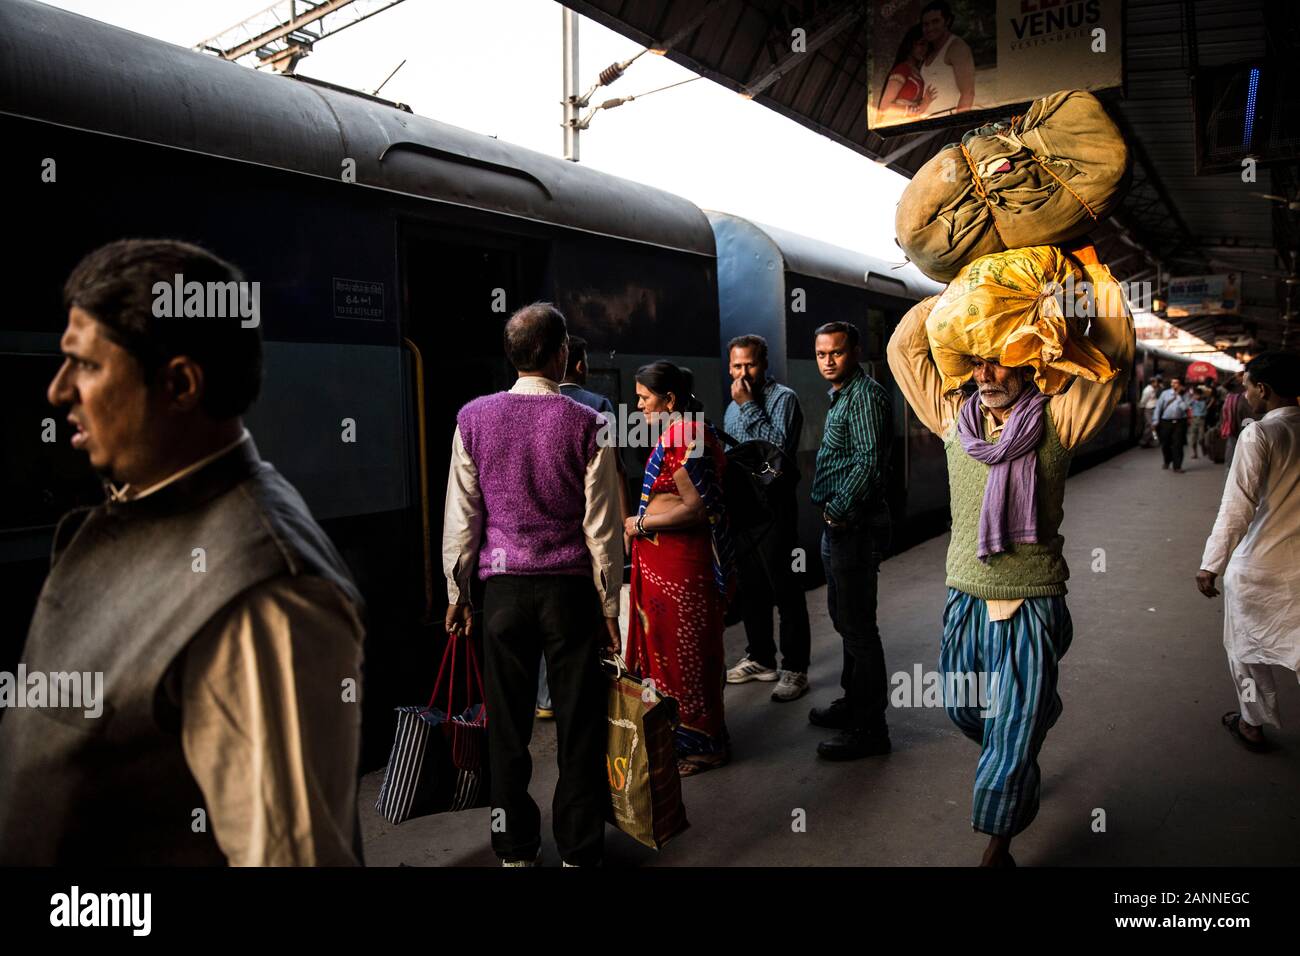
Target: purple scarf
[(1009, 514)]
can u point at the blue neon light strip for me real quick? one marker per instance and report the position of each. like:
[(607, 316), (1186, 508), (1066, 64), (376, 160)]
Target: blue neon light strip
[(1251, 92)]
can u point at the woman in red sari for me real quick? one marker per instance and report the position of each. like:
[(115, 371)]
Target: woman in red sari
[(681, 567), (905, 93)]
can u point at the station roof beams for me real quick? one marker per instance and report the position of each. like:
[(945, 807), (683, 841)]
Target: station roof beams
[(1187, 223)]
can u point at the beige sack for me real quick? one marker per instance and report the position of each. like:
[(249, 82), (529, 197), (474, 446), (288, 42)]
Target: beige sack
[(1047, 177)]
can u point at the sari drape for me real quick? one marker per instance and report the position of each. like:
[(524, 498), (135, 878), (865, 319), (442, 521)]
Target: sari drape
[(681, 580)]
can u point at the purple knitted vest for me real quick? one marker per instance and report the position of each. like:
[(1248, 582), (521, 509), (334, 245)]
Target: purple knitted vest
[(531, 453)]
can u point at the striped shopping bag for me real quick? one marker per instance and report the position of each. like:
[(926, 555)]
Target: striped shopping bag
[(439, 758)]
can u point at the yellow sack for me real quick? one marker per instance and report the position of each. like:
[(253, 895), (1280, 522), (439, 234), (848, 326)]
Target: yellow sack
[(1010, 307)]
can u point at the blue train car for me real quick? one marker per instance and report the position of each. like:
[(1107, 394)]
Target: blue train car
[(783, 286)]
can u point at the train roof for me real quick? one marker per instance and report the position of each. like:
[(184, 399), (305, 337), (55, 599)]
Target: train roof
[(823, 260), (72, 70)]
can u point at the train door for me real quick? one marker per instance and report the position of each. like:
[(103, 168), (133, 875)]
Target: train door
[(458, 291)]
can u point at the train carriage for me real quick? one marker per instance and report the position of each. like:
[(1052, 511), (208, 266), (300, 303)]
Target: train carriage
[(389, 248)]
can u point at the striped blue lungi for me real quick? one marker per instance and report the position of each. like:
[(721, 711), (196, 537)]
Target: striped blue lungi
[(1017, 661)]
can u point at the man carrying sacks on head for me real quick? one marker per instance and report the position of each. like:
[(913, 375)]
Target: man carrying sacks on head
[(1043, 388)]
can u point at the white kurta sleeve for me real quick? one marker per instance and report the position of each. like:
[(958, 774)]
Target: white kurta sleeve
[(1241, 496)]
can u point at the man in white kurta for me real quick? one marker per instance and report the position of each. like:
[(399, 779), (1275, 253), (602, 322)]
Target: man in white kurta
[(1256, 538)]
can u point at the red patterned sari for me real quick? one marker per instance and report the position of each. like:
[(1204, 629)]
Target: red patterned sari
[(679, 595)]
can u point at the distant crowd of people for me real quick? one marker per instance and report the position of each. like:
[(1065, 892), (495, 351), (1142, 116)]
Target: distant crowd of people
[(1206, 417)]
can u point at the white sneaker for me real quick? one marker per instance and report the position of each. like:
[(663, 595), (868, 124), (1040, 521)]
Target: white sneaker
[(747, 670), (536, 862), (791, 686)]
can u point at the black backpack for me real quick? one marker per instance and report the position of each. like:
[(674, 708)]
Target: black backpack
[(758, 484)]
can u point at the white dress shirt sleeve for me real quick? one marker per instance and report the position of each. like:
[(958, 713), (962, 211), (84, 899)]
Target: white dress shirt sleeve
[(462, 522)]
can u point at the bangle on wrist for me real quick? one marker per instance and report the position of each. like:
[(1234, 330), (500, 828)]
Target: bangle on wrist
[(640, 524)]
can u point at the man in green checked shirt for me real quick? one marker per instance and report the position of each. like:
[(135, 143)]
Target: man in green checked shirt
[(849, 490)]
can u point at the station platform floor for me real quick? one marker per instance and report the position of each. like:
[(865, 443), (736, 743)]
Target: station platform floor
[(1144, 684)]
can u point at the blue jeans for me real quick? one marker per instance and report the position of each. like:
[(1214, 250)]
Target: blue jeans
[(851, 557)]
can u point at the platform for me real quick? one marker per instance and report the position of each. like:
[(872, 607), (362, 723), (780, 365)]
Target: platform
[(1144, 685)]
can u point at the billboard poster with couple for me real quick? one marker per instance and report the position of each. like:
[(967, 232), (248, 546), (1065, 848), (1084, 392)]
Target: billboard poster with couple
[(931, 60)]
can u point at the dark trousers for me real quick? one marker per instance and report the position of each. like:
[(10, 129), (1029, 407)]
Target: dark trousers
[(1173, 437), (524, 617), (766, 581), (851, 557)]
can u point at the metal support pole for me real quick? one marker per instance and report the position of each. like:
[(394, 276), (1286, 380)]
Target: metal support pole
[(571, 106)]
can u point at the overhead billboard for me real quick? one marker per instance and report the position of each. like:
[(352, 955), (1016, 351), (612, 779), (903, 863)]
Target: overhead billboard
[(929, 61), (1203, 295)]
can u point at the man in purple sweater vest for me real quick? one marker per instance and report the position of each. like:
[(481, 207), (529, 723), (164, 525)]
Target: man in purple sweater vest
[(533, 506)]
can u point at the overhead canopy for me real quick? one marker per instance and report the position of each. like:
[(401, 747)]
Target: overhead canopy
[(1186, 223)]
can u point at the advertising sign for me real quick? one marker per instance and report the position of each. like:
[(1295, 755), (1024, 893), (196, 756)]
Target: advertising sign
[(931, 61)]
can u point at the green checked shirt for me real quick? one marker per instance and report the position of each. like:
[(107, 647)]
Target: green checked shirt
[(853, 459)]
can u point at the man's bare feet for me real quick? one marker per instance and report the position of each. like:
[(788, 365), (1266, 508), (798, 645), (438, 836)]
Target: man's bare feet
[(998, 852)]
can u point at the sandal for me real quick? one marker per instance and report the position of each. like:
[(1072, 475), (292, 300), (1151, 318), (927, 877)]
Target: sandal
[(690, 766), (1232, 721)]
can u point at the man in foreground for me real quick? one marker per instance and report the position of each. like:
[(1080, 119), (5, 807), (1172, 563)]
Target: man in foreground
[(1255, 544), (1005, 619), (224, 622)]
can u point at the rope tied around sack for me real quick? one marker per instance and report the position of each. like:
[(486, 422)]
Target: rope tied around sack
[(983, 193), (1065, 186), (1048, 307), (1015, 121)]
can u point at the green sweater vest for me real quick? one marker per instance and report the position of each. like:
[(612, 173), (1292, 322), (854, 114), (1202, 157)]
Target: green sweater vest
[(1027, 570)]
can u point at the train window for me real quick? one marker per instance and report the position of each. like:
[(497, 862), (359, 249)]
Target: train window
[(40, 479)]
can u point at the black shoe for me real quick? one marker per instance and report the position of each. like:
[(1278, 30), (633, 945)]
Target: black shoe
[(1166, 466), (852, 744), (834, 717)]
